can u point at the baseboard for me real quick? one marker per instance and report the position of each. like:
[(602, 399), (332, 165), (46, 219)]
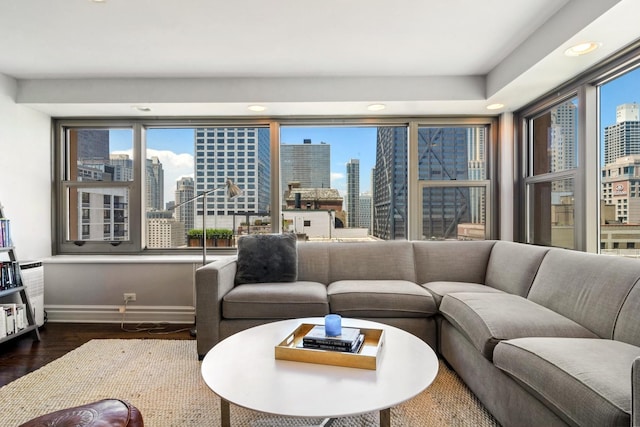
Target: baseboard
[(111, 314)]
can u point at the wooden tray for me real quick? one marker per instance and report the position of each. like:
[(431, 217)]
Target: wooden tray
[(367, 358)]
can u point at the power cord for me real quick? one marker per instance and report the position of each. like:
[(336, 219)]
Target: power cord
[(152, 328)]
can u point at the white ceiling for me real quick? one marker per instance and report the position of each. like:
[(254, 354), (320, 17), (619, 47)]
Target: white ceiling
[(297, 57)]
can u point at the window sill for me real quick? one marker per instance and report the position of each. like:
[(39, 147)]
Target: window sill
[(130, 259)]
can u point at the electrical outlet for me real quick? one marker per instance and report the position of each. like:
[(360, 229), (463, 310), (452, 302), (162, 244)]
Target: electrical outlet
[(129, 297), (122, 309)]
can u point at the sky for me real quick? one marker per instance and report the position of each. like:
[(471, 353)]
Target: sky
[(175, 147)]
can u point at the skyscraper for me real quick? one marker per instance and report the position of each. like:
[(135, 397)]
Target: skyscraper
[(365, 211), (306, 163), (623, 138), (122, 167), (92, 144), (390, 184), (155, 184), (184, 192), (241, 155), (476, 154), (353, 193)]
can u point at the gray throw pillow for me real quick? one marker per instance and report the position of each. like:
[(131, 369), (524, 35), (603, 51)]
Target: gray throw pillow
[(267, 258)]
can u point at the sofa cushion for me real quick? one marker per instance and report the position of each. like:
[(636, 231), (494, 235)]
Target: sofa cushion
[(488, 318), (452, 261), (383, 260), (267, 258), (440, 289), (585, 381), (513, 266), (380, 298), (587, 288), (271, 301)]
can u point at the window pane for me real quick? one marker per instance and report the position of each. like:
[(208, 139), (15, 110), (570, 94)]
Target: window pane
[(456, 213), (169, 179), (448, 153), (99, 154), (620, 166), (555, 139), (344, 182), (98, 214), (552, 213), (227, 216)]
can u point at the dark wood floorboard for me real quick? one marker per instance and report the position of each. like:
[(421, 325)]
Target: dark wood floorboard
[(22, 355)]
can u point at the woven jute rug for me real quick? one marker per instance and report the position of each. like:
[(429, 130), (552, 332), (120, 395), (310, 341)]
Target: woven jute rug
[(162, 379)]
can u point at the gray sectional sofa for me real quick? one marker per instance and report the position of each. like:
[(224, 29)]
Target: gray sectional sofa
[(542, 336)]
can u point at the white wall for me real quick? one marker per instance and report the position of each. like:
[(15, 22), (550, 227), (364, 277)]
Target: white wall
[(25, 173)]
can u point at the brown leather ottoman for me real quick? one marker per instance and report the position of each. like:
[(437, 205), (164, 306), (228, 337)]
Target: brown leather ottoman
[(103, 413)]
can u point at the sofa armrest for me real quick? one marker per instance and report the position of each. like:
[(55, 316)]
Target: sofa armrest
[(213, 282), (635, 392)]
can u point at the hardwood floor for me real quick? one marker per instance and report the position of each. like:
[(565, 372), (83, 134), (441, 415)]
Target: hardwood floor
[(22, 355)]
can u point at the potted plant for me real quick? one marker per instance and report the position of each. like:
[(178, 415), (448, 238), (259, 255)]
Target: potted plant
[(194, 237), (223, 237)]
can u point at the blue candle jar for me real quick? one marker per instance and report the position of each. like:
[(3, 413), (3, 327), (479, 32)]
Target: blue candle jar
[(332, 325)]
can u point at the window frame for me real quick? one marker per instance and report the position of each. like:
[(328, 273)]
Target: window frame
[(490, 183), (137, 224), (588, 177), (530, 179)]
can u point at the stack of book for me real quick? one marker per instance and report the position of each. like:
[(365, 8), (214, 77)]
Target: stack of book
[(13, 318), (349, 341)]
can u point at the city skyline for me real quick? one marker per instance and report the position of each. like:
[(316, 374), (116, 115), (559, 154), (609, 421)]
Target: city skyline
[(174, 147)]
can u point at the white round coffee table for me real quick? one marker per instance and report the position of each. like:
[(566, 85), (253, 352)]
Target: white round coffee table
[(243, 370)]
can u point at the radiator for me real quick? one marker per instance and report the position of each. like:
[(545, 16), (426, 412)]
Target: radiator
[(33, 278)]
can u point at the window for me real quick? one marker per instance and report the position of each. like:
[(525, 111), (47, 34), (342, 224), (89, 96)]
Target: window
[(96, 184), (454, 189), (352, 180), (620, 158), (128, 186), (551, 175)]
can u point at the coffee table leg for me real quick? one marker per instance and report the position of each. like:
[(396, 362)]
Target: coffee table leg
[(385, 417), (225, 413)]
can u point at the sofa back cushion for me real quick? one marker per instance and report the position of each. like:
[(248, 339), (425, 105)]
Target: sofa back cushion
[(452, 261), (378, 260), (513, 266), (313, 261), (587, 288), (627, 327)]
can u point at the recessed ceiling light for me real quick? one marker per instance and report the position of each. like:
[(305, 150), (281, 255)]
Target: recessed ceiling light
[(495, 106), (376, 107), (582, 48), (257, 108)]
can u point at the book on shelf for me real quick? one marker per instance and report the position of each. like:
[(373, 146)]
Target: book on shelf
[(5, 233), (346, 340), (3, 323), (9, 277), (14, 316)]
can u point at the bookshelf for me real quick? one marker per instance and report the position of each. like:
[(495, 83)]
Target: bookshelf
[(12, 288)]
